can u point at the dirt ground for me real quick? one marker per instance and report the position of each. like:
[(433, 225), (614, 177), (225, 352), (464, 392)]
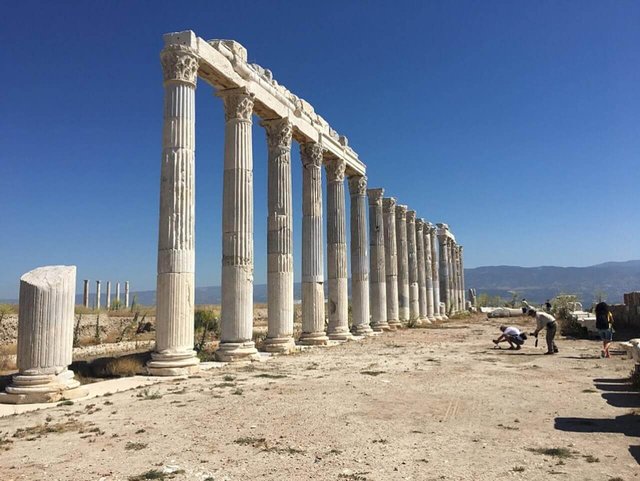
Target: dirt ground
[(419, 404)]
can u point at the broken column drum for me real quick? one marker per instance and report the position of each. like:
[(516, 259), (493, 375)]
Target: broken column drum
[(45, 338), (174, 354), (422, 281), (414, 301), (391, 261), (377, 274), (279, 238), (359, 256), (338, 306), (403, 263), (313, 310)]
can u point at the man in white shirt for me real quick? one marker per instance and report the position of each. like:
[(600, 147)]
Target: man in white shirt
[(544, 320), (512, 335)]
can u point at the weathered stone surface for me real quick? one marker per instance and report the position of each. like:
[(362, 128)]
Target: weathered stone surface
[(403, 263), (377, 277), (422, 280), (428, 264), (414, 301), (391, 261)]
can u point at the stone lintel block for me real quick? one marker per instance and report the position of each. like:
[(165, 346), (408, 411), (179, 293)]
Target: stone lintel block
[(186, 37)]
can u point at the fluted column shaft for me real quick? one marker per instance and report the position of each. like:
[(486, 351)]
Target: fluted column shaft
[(445, 293), (403, 263), (428, 271), (452, 277), (337, 252), (359, 256), (414, 291), (422, 281), (313, 310), (236, 313), (279, 238), (435, 272), (377, 277), (462, 288), (174, 352), (391, 261)]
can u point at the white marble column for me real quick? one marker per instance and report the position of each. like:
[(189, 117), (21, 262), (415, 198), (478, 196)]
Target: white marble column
[(414, 301), (338, 304), (174, 354), (126, 294), (377, 283), (359, 257), (391, 261), (45, 338), (462, 288), (456, 277), (97, 303), (435, 272), (85, 294), (107, 301), (445, 283), (313, 311), (428, 271), (403, 263), (118, 294), (452, 276), (279, 238), (236, 313), (422, 280)]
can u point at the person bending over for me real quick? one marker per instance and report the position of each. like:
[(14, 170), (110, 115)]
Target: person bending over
[(512, 335), (547, 321)]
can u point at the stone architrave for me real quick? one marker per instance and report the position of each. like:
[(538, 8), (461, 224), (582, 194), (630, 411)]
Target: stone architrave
[(85, 294), (391, 261), (422, 275), (313, 310), (414, 301), (173, 353), (338, 328), (45, 338), (107, 301), (279, 238), (403, 263), (97, 303), (435, 272), (126, 294), (428, 271), (236, 312), (377, 277), (359, 257)]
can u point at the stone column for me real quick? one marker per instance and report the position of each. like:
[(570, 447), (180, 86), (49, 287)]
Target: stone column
[(108, 299), (45, 338), (377, 284), (118, 294), (403, 263), (452, 276), (435, 272), (174, 354), (462, 288), (428, 271), (313, 329), (126, 294), (359, 257), (236, 313), (391, 261), (279, 238), (422, 281), (337, 252), (458, 293), (85, 294), (445, 283), (414, 304), (97, 303)]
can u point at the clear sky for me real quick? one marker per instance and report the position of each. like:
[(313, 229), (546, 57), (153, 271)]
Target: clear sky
[(516, 122)]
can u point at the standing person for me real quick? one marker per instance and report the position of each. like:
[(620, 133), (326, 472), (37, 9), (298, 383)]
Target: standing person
[(525, 306), (547, 306), (512, 335), (604, 325), (545, 320)]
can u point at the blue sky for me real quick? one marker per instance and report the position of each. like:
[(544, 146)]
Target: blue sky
[(516, 122)]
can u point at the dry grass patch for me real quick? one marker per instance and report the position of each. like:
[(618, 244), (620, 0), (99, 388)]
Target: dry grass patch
[(562, 453), (134, 446), (44, 429)]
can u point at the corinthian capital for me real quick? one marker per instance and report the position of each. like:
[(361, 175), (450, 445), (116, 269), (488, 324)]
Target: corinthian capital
[(279, 132), (179, 64), (419, 224), (375, 196), (238, 104), (411, 216), (335, 170), (389, 205), (311, 154), (358, 185), (401, 212)]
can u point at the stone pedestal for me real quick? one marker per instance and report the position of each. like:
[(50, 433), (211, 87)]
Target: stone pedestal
[(391, 261), (435, 272), (236, 314), (359, 257), (377, 276), (403, 263), (338, 304), (313, 312), (422, 281), (85, 294), (174, 354), (279, 238), (428, 270), (414, 292), (45, 338)]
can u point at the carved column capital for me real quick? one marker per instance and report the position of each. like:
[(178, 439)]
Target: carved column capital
[(357, 185), (401, 212), (411, 216), (179, 64), (335, 170), (279, 133), (420, 224), (389, 205), (375, 196), (311, 154), (238, 104)]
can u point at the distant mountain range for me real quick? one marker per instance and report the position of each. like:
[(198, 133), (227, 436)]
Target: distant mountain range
[(611, 280)]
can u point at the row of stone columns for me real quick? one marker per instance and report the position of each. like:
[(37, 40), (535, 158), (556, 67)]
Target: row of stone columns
[(97, 303), (451, 271)]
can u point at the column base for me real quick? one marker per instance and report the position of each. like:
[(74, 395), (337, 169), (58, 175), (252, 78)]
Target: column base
[(362, 330), (313, 338), (425, 320), (340, 334), (279, 345), (182, 363), (237, 351), (381, 327), (42, 388), (394, 324)]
